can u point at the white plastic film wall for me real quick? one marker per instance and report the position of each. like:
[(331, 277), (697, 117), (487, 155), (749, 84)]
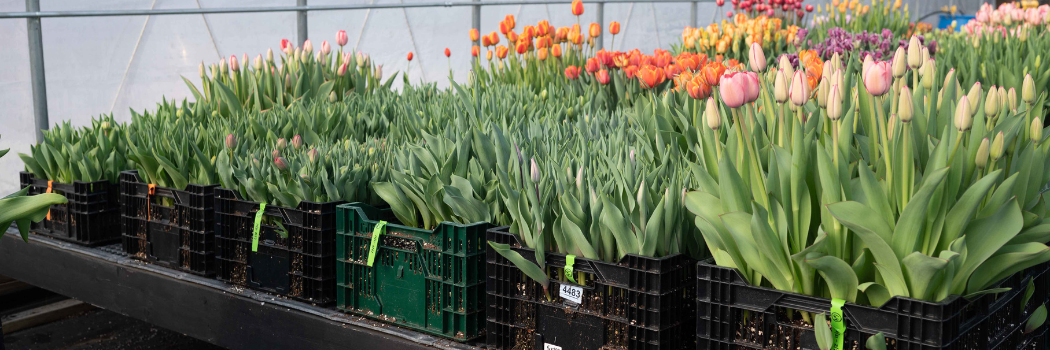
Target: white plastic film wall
[(105, 65)]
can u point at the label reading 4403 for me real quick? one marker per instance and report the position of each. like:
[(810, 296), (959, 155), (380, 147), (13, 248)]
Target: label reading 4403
[(549, 346), (573, 294)]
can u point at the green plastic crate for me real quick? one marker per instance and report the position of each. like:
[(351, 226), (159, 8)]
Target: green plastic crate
[(430, 281)]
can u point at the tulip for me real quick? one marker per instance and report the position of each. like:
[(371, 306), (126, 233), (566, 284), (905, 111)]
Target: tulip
[(1028, 89), (307, 46), (282, 143), (929, 71), (823, 89), (712, 72), (595, 30), (1011, 96), (780, 87), (280, 163), (834, 103), (697, 88), (757, 58), (342, 69), (868, 62), (925, 55), (650, 76), (297, 141), (236, 67), (1036, 132), (379, 72), (733, 89), (577, 7), (541, 54), (312, 155), (711, 115), (410, 55), (752, 88), (962, 115), (900, 64), (200, 69), (361, 60), (474, 35), (602, 76), (878, 78), (448, 53), (276, 152), (475, 51), (799, 92), (534, 170), (974, 97), (286, 46), (341, 38), (555, 51), (325, 49), (997, 147), (614, 28), (904, 108), (914, 52), (572, 72), (982, 154), (785, 65), (231, 141), (991, 103)]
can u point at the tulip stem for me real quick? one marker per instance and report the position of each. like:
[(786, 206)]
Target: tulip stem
[(958, 140), (780, 125)]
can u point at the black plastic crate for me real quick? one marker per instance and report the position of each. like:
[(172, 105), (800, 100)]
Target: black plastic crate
[(637, 303), (301, 266), (91, 217), (731, 314), (169, 227)]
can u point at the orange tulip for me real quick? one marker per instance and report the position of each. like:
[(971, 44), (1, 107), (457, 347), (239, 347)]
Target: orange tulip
[(650, 76), (593, 64), (501, 51), (485, 41), (521, 47), (602, 76), (614, 28), (512, 37), (543, 28), (475, 51), (561, 34), (712, 72), (631, 71), (448, 53), (504, 27), (621, 61), (410, 55), (698, 88), (577, 7), (541, 54), (528, 32), (572, 72), (488, 54), (474, 35), (493, 38), (595, 30), (510, 21), (556, 51)]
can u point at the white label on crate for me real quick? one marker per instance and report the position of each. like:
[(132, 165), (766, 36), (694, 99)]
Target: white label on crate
[(572, 293), (548, 346)]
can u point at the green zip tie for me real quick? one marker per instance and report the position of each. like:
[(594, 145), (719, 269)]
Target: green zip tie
[(569, 261), (838, 327), (258, 223), (378, 230)]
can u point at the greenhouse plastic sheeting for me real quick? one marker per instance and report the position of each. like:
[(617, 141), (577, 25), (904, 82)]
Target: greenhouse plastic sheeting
[(102, 65)]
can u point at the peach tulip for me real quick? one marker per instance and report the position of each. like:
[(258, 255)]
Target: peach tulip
[(878, 77)]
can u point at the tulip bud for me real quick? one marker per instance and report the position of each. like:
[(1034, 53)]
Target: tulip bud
[(925, 54), (948, 78), (642, 193), (579, 178), (904, 109), (1028, 89), (631, 156), (200, 70), (342, 70), (287, 80), (757, 58), (929, 73), (341, 38), (1011, 96), (282, 143), (982, 154), (1003, 103), (714, 119), (822, 94), (868, 61), (231, 141), (222, 65), (275, 152), (974, 98), (534, 170), (312, 155), (780, 87), (785, 65), (258, 63), (991, 103), (835, 103), (900, 63), (379, 72), (914, 52), (308, 47), (332, 97), (962, 115), (836, 61), (1036, 130), (297, 141), (997, 147), (891, 125), (799, 92), (280, 163)]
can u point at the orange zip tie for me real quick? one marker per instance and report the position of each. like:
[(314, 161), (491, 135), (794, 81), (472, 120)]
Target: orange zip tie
[(48, 191), (149, 206)]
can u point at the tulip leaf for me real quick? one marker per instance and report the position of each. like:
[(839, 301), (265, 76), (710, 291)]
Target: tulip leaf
[(574, 233), (838, 275), (1036, 320), (530, 269), (876, 293), (876, 342), (822, 331), (984, 237)]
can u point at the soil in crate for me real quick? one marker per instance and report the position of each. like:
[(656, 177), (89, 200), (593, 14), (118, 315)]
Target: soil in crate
[(91, 217), (636, 303), (731, 314), (432, 281), (295, 256), (169, 227)]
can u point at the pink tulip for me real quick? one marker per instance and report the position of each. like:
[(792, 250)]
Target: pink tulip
[(231, 141), (233, 63), (341, 38), (325, 48), (280, 163), (282, 143), (308, 46), (757, 58), (733, 89), (297, 141), (312, 155), (878, 77), (752, 86), (799, 92), (286, 46)]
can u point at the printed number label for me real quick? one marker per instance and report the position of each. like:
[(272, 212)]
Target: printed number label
[(572, 293), (547, 346)]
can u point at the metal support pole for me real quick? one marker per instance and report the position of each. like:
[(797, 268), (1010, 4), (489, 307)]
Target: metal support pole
[(601, 24), (300, 21), (36, 69), (475, 20), (692, 14)]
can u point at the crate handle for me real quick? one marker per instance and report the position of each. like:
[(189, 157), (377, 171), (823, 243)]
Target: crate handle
[(378, 230)]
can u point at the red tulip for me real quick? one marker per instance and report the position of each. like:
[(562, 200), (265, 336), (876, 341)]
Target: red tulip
[(286, 46), (729, 13), (448, 53), (572, 72), (602, 76), (485, 41), (341, 38), (475, 51), (494, 38), (504, 27), (511, 23), (593, 64), (410, 55), (577, 7), (733, 89), (630, 71), (809, 8), (720, 2)]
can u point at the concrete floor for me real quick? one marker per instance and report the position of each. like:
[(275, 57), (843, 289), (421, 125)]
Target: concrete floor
[(101, 329)]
